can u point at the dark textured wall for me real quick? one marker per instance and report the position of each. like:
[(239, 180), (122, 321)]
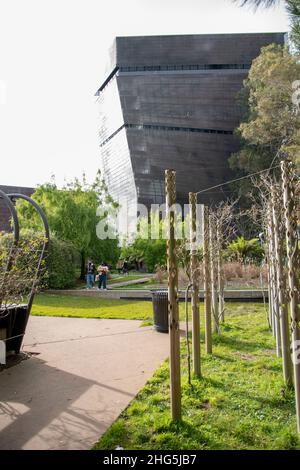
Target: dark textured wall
[(199, 159), (4, 211), (191, 49), (179, 106), (205, 99)]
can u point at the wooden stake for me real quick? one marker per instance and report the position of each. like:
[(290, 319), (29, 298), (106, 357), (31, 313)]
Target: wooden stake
[(273, 288), (195, 286), (206, 275), (275, 300), (175, 379), (267, 242), (213, 274), (270, 318), (293, 256), (220, 276), (281, 289)]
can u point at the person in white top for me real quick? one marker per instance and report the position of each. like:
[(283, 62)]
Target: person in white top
[(103, 272)]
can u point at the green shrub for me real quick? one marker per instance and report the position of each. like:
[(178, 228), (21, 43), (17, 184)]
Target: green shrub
[(245, 251), (62, 264), (146, 252), (17, 284)]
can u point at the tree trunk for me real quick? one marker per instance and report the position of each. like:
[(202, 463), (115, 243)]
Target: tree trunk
[(293, 257), (175, 379), (275, 301), (220, 278), (270, 273), (270, 318), (195, 287), (207, 286), (213, 275), (281, 289), (83, 265)]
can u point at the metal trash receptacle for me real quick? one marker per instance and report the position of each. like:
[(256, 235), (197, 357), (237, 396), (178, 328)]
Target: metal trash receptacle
[(160, 310)]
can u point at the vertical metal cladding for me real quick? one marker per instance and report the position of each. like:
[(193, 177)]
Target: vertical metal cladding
[(115, 153), (172, 102)]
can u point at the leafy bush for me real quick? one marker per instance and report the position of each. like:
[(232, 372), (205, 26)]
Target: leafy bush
[(245, 251), (155, 254), (74, 213), (18, 268), (104, 251), (63, 261), (151, 253)]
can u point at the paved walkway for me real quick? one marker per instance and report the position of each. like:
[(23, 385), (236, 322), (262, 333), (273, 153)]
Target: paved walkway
[(132, 282), (82, 374)]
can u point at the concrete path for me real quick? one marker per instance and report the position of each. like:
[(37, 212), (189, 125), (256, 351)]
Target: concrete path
[(82, 374), (133, 282)]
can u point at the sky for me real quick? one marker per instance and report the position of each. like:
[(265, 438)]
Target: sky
[(53, 57)]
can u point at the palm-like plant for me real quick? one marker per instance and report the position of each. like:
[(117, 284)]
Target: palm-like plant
[(293, 9), (258, 3), (245, 251)]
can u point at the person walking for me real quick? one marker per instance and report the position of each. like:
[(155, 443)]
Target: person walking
[(90, 274), (103, 273), (125, 268)]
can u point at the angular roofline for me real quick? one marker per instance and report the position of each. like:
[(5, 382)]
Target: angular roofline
[(201, 34), (155, 36)]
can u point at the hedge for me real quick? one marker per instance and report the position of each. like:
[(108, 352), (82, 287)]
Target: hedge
[(62, 264)]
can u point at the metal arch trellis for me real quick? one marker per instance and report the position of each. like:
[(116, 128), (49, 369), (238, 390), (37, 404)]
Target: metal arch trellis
[(43, 217), (17, 325), (16, 230)]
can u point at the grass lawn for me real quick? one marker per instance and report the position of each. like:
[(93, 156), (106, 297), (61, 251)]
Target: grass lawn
[(240, 403), (90, 307), (54, 305)]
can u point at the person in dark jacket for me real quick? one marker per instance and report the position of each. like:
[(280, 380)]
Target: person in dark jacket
[(126, 268), (90, 274)]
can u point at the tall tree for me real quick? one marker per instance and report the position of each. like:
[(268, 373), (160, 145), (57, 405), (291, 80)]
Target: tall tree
[(72, 216), (272, 127)]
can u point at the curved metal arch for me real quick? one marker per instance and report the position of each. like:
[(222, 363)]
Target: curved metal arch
[(13, 213), (14, 196), (16, 229)]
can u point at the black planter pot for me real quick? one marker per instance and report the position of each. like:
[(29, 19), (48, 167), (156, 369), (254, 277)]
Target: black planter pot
[(14, 321)]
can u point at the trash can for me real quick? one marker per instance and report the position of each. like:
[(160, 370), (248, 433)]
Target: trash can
[(160, 310)]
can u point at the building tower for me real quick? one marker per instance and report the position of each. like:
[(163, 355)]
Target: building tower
[(171, 102)]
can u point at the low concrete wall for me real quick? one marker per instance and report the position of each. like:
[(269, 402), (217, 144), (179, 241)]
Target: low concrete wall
[(143, 294)]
